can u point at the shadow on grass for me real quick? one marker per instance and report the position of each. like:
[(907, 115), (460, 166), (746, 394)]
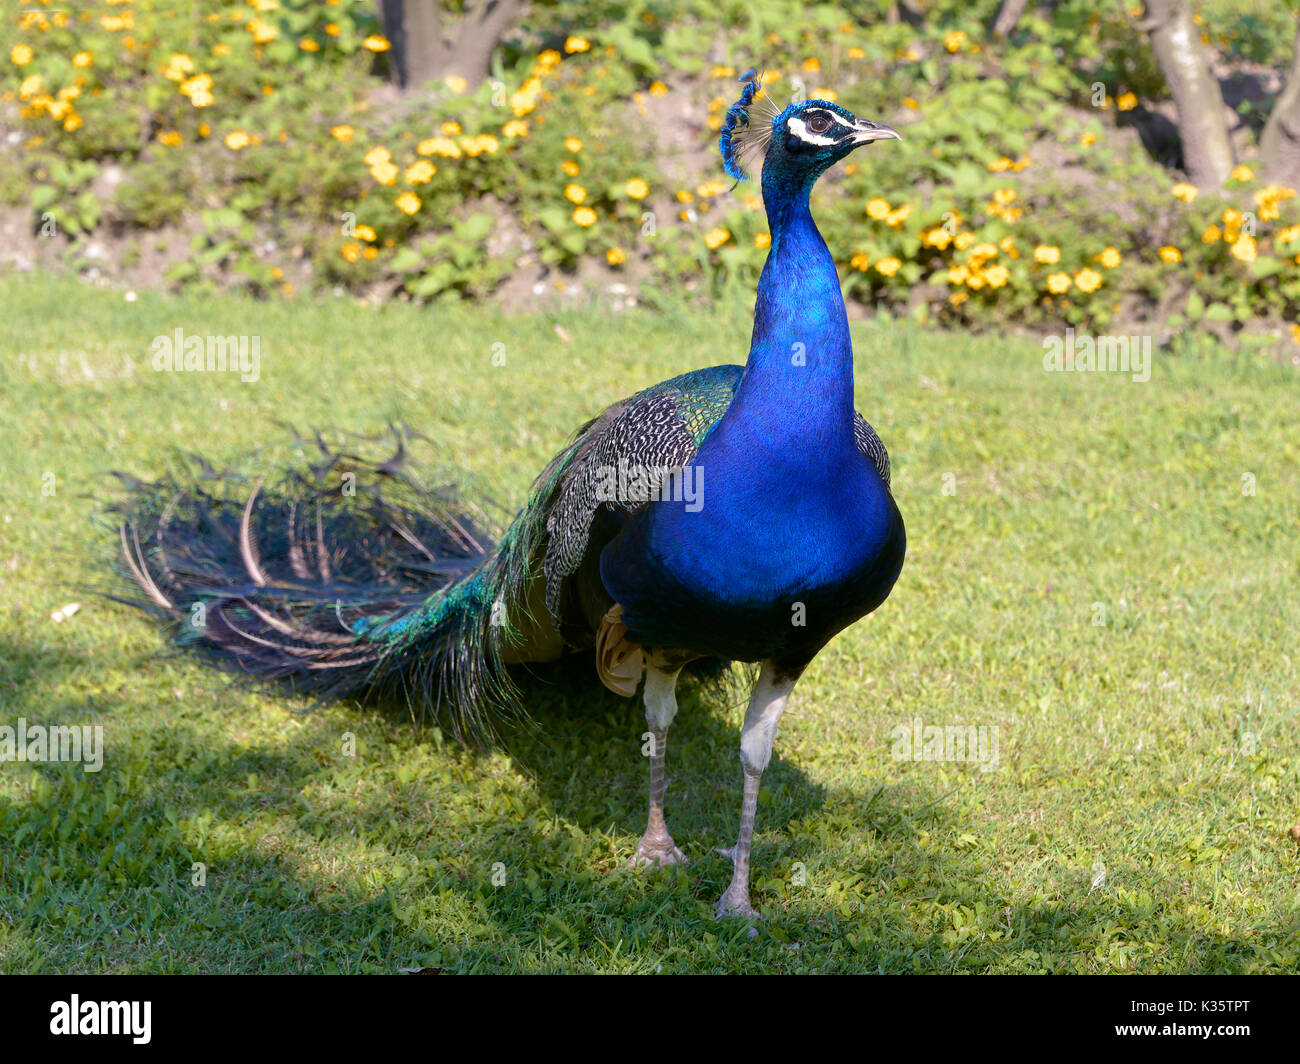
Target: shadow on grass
[(318, 863)]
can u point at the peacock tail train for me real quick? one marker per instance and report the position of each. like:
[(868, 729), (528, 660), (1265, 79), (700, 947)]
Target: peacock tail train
[(348, 577)]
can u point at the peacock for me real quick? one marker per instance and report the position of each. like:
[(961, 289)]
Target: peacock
[(733, 514)]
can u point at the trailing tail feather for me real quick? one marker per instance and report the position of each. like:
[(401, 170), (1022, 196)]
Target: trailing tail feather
[(349, 578)]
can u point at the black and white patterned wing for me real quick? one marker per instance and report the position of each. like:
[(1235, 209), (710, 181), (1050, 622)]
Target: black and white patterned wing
[(622, 458), (869, 444)]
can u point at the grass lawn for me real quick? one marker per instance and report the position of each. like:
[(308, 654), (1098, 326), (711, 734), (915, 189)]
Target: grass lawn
[(1085, 575)]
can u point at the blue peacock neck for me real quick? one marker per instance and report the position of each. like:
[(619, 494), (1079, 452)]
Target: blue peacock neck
[(797, 389)]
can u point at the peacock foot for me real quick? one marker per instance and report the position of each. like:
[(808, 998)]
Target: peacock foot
[(658, 849), (736, 903)]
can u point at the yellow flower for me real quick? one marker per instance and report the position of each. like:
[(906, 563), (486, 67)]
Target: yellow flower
[(1210, 235), (576, 44), (332, 29), (684, 195), (548, 58), (351, 251), (1183, 191), (376, 43), (221, 48), (1110, 258), (444, 146), (570, 168), (888, 266), (515, 128), (237, 140), (420, 172), (999, 165), (171, 138), (30, 86), (263, 32), (584, 216), (857, 53), (895, 218), (378, 154), (573, 144), (82, 60), (575, 193), (384, 172), (811, 65), (615, 256), (1242, 172), (1126, 101), (1058, 283), (1168, 253), (958, 274), (716, 237), (343, 134), (911, 104), (308, 45), (365, 233), (1088, 280), (762, 240), (371, 253), (860, 261), (938, 237), (21, 55), (1003, 196), (450, 129), (1244, 248), (525, 100), (637, 189), (1088, 139), (954, 41), (983, 250), (877, 208), (658, 88), (408, 202), (711, 188), (178, 67), (456, 84), (997, 276), (1287, 235), (73, 121), (1047, 255)]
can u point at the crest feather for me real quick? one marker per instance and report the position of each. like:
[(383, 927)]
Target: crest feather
[(741, 137)]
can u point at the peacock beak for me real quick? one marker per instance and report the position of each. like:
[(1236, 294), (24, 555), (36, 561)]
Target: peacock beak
[(866, 132)]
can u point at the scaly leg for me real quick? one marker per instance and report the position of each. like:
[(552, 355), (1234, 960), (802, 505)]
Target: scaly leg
[(766, 705), (656, 845)]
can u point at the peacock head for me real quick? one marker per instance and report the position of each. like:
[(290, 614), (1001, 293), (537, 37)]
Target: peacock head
[(796, 145)]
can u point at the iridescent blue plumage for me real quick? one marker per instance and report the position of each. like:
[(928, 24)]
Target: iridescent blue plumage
[(736, 513)]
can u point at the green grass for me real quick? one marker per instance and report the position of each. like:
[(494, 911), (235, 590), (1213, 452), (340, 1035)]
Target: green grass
[(1124, 743)]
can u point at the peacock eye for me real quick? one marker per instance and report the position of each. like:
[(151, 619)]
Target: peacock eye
[(819, 123)]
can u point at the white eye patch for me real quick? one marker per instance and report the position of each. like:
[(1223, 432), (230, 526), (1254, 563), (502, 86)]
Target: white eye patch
[(800, 129)]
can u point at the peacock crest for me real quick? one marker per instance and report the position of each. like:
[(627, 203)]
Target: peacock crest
[(747, 130)]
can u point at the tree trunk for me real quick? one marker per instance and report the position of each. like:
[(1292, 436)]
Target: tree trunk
[(420, 52), (1202, 127), (1010, 12), (1279, 146)]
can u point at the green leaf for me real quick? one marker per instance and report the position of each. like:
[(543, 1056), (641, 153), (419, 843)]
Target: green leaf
[(1266, 266)]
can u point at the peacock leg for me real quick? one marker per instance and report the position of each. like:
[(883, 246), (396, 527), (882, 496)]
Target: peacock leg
[(766, 705), (656, 845)]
